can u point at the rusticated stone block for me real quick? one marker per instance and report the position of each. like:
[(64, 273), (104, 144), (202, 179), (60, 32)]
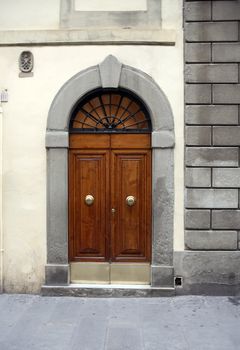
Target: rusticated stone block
[(211, 198), (226, 10), (198, 93), (226, 93), (211, 114), (198, 135), (226, 219), (226, 135), (211, 240), (198, 177), (197, 218), (209, 156), (211, 31), (211, 73), (198, 11), (229, 177), (208, 273), (198, 52), (226, 52)]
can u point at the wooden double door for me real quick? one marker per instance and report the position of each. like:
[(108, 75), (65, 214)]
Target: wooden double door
[(110, 198)]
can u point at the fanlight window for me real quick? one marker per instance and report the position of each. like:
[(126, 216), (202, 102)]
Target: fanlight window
[(110, 111)]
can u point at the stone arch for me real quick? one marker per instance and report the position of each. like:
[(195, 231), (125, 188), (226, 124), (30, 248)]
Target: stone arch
[(110, 74)]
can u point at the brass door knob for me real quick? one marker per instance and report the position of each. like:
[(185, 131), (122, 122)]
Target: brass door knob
[(89, 199), (130, 200)]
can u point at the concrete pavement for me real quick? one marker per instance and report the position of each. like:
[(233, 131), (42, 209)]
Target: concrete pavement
[(65, 323)]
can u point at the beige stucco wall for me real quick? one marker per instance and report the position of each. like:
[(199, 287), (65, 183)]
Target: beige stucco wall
[(24, 126), (29, 14), (110, 5), (45, 14)]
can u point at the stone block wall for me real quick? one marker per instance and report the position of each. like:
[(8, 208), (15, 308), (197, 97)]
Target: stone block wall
[(212, 124)]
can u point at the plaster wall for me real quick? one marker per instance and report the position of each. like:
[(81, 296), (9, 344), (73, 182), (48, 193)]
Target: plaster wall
[(44, 14), (24, 154), (29, 14), (110, 5)]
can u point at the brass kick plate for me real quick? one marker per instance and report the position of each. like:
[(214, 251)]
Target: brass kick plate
[(130, 273), (105, 273), (88, 272)]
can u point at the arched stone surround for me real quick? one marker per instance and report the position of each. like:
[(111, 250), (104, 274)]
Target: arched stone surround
[(110, 74)]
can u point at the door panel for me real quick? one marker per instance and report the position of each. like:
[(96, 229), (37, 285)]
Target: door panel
[(88, 227), (110, 230), (130, 141), (90, 141), (130, 234)]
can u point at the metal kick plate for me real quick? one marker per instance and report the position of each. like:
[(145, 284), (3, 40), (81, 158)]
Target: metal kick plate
[(105, 273), (130, 273), (90, 272)]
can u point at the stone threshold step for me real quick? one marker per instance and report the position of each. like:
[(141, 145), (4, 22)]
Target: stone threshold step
[(105, 291)]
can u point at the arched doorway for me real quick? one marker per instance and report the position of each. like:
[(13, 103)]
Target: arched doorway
[(110, 189), (113, 75)]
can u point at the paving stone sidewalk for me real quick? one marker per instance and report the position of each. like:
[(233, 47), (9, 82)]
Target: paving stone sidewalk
[(67, 323)]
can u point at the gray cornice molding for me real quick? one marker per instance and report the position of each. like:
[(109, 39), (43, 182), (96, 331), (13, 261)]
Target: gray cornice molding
[(110, 36)]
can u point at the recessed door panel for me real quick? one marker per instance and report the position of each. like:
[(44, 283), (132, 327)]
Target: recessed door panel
[(88, 205), (131, 185)]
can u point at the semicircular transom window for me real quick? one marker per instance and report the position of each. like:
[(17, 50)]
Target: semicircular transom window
[(110, 110)]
